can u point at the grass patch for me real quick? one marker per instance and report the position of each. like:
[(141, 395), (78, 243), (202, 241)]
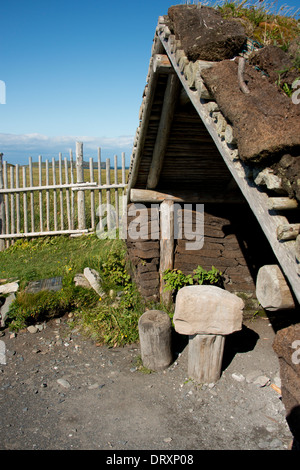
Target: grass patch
[(111, 319)]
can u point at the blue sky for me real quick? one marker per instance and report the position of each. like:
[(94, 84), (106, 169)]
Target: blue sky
[(74, 70)]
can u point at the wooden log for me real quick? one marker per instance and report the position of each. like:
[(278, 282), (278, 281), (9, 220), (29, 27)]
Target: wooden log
[(155, 339), (288, 231), (205, 354), (281, 203), (272, 290)]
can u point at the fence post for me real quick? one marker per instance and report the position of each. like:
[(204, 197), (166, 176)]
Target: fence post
[(2, 212), (80, 179)]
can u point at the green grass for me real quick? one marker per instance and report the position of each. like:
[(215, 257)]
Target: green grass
[(111, 319)]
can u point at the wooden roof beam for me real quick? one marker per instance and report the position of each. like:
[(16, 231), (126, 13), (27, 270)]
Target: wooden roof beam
[(170, 100)]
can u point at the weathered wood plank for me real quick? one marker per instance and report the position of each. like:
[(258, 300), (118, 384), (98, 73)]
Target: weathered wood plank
[(170, 99)]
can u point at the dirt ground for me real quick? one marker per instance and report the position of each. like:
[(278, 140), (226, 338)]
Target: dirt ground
[(60, 391)]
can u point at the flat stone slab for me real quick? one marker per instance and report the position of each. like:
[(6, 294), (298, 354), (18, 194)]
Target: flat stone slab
[(9, 287), (54, 283), (207, 310)]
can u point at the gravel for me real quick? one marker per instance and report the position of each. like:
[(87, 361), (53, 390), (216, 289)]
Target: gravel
[(59, 390)]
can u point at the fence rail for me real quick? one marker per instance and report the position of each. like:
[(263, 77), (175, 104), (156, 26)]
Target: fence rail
[(62, 196)]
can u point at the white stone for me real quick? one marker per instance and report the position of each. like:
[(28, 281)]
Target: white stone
[(64, 383), (207, 310), (262, 381), (32, 329), (238, 377), (94, 279), (9, 287), (5, 308), (2, 353)]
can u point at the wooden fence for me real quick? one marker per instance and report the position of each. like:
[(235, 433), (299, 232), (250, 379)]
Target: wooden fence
[(59, 197)]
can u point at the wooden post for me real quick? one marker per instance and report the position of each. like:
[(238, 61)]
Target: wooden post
[(205, 354), (31, 195), (54, 195), (100, 184), (92, 194), (2, 210), (80, 179), (47, 197), (166, 245), (155, 339), (61, 200), (108, 198), (25, 201)]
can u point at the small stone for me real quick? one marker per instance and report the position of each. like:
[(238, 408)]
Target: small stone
[(238, 377), (32, 329), (2, 353), (168, 439), (64, 383), (93, 386), (262, 381), (9, 287)]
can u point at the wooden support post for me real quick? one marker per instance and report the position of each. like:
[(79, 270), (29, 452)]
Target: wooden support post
[(205, 354), (166, 245), (80, 179), (170, 99), (155, 339)]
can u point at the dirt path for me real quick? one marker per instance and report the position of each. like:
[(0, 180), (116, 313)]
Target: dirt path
[(60, 391)]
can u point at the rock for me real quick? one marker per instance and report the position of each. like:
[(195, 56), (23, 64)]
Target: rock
[(2, 353), (207, 310), (262, 381), (5, 307), (81, 280), (238, 377), (64, 383), (94, 279), (32, 329), (9, 287), (265, 122), (205, 34)]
